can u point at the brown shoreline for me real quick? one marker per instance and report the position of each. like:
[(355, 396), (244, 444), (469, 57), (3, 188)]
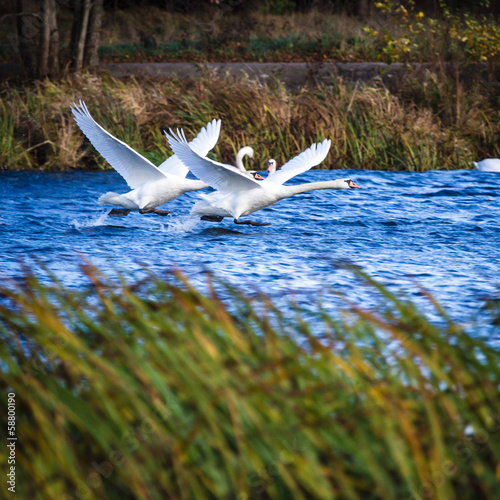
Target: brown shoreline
[(292, 74)]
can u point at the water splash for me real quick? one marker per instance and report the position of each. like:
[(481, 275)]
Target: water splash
[(90, 222), (180, 225)]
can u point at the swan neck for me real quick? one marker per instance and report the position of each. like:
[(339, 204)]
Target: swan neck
[(239, 161), (312, 186), (246, 151)]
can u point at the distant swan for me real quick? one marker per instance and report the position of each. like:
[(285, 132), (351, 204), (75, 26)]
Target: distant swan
[(488, 165), (239, 195), (150, 186), (246, 151), (271, 166)]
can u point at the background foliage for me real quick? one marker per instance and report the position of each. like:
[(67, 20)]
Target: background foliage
[(423, 120)]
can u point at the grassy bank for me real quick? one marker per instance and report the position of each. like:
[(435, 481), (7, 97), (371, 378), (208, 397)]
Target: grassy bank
[(424, 120), (154, 390)]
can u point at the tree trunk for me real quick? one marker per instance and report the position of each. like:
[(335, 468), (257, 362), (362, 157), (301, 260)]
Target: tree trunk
[(28, 28), (49, 47), (45, 43), (54, 67), (91, 56), (79, 33), (37, 39)]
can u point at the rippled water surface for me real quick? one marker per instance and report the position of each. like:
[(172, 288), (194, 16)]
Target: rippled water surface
[(440, 228)]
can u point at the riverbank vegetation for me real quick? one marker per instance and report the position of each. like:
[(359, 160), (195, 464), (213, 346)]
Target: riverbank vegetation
[(427, 119), (156, 390)]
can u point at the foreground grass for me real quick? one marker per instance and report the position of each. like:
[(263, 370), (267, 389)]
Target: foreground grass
[(154, 390), (425, 120)]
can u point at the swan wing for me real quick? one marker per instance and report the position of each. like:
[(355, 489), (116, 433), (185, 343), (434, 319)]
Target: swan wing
[(201, 144), (309, 158), (133, 167), (225, 178)]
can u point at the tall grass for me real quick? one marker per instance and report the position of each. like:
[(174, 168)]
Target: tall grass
[(424, 120), (154, 390)]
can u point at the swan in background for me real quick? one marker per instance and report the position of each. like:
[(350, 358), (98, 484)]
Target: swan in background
[(271, 166), (247, 151), (488, 165), (244, 151), (150, 186), (239, 195)]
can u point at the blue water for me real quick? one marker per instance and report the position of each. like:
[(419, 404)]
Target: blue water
[(441, 229)]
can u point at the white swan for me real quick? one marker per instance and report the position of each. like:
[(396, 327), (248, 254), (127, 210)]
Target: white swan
[(246, 151), (239, 195), (150, 186), (488, 165), (271, 166)]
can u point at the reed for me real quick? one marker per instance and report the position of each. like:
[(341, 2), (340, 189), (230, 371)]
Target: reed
[(424, 120), (155, 390)]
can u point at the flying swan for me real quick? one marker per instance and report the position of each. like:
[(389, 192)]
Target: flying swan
[(150, 186), (237, 194)]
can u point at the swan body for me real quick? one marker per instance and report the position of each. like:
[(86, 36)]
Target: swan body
[(240, 204), (238, 195), (488, 165), (150, 186)]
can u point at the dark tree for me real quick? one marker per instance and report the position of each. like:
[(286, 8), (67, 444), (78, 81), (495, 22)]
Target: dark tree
[(38, 37)]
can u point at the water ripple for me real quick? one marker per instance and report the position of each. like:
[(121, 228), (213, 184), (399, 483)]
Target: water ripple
[(440, 228)]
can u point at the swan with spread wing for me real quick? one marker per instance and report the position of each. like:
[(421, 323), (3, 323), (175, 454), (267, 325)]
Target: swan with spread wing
[(150, 186), (238, 194)]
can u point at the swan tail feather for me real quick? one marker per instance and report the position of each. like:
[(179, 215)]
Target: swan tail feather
[(110, 198)]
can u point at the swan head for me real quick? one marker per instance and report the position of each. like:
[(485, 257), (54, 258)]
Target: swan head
[(350, 184), (245, 151), (271, 166), (256, 175)]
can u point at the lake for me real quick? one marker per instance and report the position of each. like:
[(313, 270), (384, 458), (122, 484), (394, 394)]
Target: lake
[(440, 229)]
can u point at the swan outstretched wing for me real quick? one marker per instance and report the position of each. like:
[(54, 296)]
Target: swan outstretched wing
[(133, 167), (201, 144), (225, 178), (309, 158)]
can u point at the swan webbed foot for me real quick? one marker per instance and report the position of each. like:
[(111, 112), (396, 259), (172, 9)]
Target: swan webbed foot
[(118, 212), (251, 222), (156, 211), (212, 218), (159, 211)]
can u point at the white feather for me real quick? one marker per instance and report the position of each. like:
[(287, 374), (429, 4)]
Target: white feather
[(224, 178), (204, 142), (309, 158), (133, 167)]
